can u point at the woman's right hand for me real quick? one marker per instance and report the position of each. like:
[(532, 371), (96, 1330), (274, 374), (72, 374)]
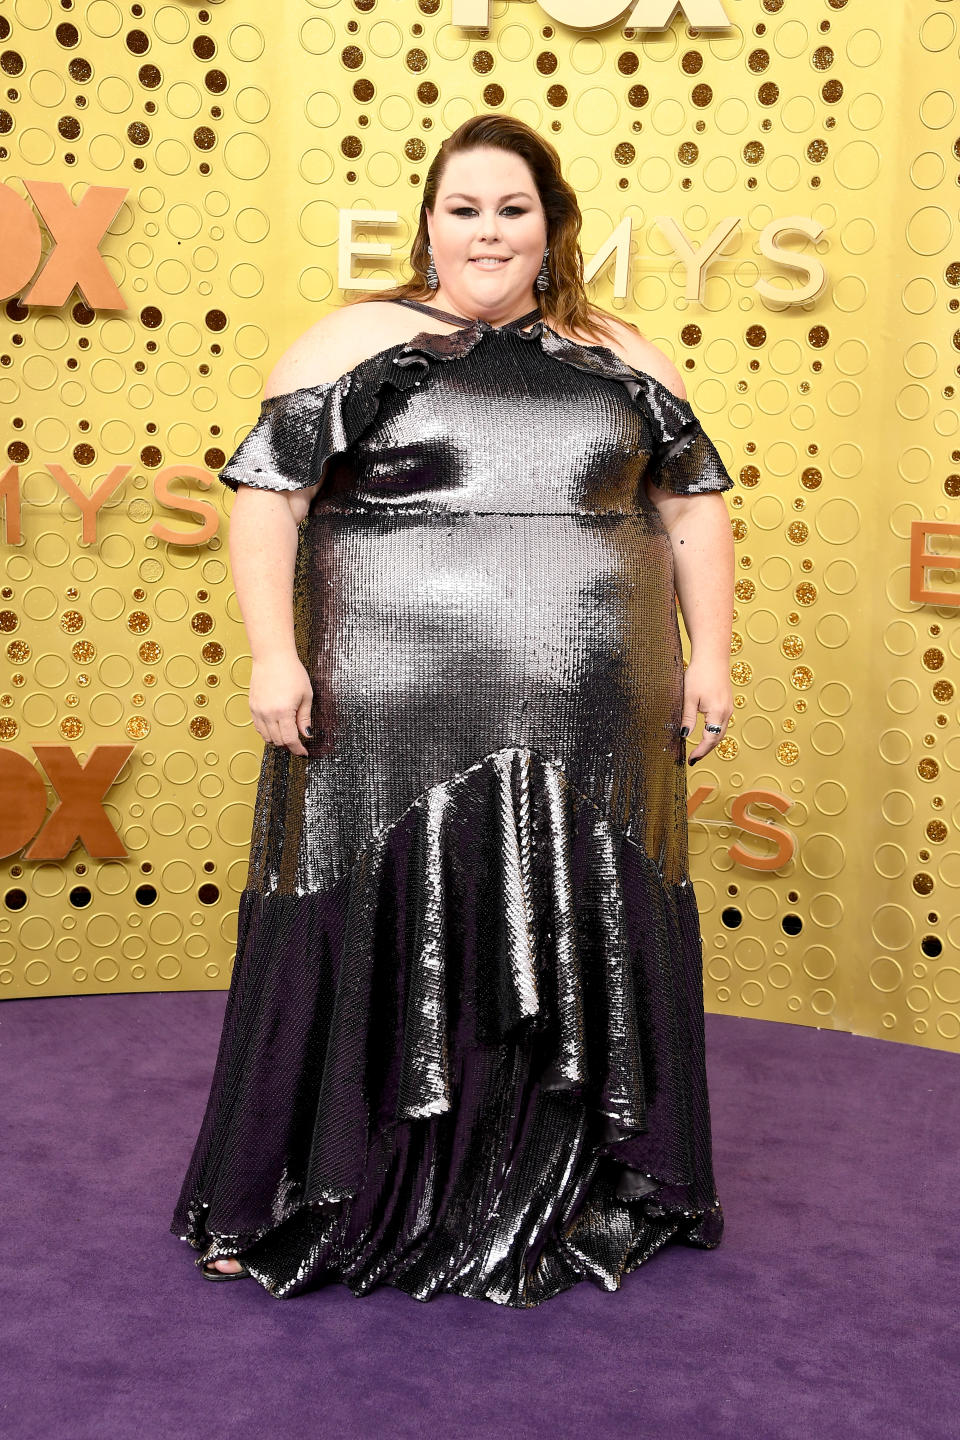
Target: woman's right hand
[(281, 698)]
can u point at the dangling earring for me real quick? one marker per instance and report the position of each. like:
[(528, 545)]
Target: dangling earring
[(543, 275), (433, 279)]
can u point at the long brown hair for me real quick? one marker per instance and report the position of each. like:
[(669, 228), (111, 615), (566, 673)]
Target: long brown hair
[(564, 305)]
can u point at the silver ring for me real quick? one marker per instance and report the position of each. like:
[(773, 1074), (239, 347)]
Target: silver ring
[(714, 728)]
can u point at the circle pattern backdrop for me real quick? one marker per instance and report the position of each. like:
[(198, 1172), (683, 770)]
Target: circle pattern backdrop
[(824, 826)]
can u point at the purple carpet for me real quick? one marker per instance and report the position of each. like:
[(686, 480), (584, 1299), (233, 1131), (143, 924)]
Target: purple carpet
[(829, 1311)]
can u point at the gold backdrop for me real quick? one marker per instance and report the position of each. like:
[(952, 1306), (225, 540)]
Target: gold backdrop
[(773, 200)]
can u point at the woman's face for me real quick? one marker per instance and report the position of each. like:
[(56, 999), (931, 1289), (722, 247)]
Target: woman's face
[(487, 206)]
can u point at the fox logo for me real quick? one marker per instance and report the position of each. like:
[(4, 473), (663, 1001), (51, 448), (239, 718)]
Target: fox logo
[(598, 14)]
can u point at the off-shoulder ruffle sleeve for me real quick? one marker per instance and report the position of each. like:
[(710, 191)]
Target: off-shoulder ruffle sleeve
[(295, 434), (684, 459), (299, 431)]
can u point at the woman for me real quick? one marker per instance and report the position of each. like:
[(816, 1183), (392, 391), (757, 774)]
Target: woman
[(463, 1044)]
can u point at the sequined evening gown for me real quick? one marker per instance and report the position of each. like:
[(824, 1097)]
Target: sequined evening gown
[(463, 1043)]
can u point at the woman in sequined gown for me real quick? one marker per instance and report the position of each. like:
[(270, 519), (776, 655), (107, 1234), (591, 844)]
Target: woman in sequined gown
[(463, 1044)]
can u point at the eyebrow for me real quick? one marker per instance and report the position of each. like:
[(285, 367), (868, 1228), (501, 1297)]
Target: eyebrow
[(514, 194)]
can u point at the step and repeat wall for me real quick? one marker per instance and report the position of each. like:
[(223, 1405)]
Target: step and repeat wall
[(769, 190)]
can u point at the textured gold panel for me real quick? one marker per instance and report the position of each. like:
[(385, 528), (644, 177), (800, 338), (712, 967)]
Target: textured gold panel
[(824, 828)]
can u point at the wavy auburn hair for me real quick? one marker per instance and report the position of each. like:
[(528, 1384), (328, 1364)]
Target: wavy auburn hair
[(565, 303)]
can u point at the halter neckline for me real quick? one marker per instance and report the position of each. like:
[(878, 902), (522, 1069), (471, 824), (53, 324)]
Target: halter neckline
[(461, 320)]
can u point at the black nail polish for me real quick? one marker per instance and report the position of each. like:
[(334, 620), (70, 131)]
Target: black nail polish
[(695, 759), (684, 732)]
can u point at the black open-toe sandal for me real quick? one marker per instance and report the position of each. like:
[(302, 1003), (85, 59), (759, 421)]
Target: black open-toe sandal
[(210, 1274)]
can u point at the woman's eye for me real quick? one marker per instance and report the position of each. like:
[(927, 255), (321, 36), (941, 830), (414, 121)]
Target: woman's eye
[(468, 210)]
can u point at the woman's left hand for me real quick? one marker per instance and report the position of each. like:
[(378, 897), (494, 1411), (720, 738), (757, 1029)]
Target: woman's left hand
[(706, 689)]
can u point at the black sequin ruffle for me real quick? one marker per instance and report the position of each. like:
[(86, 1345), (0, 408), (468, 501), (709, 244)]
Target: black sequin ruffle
[(298, 432)]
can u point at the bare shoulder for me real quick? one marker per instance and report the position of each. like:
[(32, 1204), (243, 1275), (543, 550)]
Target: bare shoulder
[(336, 343), (642, 354)]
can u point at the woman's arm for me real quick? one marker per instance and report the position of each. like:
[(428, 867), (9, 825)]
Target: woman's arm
[(703, 553), (263, 551), (264, 537), (699, 529)]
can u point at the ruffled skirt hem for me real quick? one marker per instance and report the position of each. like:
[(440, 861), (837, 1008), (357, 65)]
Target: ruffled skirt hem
[(609, 1241), (474, 1066)]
